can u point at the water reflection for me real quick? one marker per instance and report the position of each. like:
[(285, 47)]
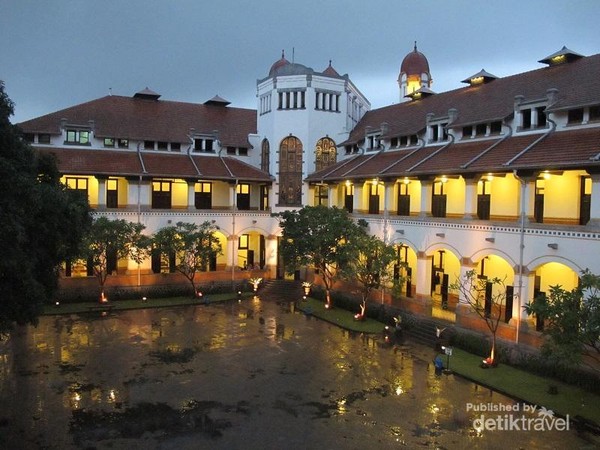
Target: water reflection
[(249, 374)]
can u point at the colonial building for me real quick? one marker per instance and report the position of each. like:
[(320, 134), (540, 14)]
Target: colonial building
[(501, 176)]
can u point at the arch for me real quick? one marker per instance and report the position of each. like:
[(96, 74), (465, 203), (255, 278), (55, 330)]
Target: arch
[(482, 253), (265, 155), (325, 153), (543, 260), (290, 172)]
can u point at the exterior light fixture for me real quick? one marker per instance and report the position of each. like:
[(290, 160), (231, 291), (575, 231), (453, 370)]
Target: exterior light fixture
[(441, 235), (553, 246)]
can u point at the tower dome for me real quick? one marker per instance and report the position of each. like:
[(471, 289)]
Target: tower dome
[(414, 73), (278, 64)]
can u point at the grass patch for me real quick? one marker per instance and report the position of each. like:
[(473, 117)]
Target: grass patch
[(526, 386), (340, 317)]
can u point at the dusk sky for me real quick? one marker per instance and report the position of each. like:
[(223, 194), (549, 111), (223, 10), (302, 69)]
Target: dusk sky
[(58, 53)]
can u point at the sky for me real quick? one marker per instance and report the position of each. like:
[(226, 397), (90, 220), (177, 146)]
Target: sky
[(58, 53)]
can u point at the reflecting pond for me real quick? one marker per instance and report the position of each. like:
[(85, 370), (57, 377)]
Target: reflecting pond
[(243, 375)]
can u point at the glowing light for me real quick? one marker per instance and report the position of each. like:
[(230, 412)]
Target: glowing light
[(490, 177), (444, 179), (406, 180), (477, 80), (546, 175)]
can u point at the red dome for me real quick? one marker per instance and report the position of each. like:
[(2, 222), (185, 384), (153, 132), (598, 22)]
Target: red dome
[(278, 64), (415, 63)]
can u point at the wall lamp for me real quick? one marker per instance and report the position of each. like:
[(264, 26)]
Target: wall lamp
[(553, 246), (400, 231), (440, 235), (491, 239)]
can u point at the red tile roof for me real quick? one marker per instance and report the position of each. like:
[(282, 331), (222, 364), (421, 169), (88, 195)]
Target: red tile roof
[(157, 120), (173, 165), (490, 101)]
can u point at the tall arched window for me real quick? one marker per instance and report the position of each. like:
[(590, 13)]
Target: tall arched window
[(325, 153), (290, 172), (265, 156)]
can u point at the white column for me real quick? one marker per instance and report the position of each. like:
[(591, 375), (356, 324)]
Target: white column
[(101, 193), (423, 279), (271, 255), (426, 193), (358, 198), (470, 198), (388, 197), (595, 202), (191, 197)]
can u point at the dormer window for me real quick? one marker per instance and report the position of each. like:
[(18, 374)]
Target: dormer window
[(77, 137), (594, 113), (575, 116), (438, 132), (204, 145), (532, 118), (374, 142)]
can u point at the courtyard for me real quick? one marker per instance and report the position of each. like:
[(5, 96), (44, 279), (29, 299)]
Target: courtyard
[(248, 373)]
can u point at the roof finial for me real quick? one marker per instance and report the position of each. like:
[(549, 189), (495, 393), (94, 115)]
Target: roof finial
[(283, 54), (415, 46), (329, 63)]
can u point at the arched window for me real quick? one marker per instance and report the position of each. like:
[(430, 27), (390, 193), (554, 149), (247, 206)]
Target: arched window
[(265, 155), (290, 172), (325, 153)]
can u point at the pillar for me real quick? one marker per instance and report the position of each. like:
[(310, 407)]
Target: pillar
[(426, 198), (470, 198), (271, 255), (101, 192), (423, 279), (358, 198), (191, 195), (595, 202)]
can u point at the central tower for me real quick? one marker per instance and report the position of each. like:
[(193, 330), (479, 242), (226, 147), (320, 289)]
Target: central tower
[(414, 73)]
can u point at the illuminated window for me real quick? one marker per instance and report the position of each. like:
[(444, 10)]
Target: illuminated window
[(109, 142), (321, 195), (161, 194), (243, 242), (123, 143), (290, 172), (81, 137), (203, 195), (243, 196), (78, 184), (112, 193), (325, 153)]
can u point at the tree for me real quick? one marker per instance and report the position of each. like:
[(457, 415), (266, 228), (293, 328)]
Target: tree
[(320, 237), (42, 223), (571, 322), (372, 265), (487, 298), (193, 246), (111, 240)]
